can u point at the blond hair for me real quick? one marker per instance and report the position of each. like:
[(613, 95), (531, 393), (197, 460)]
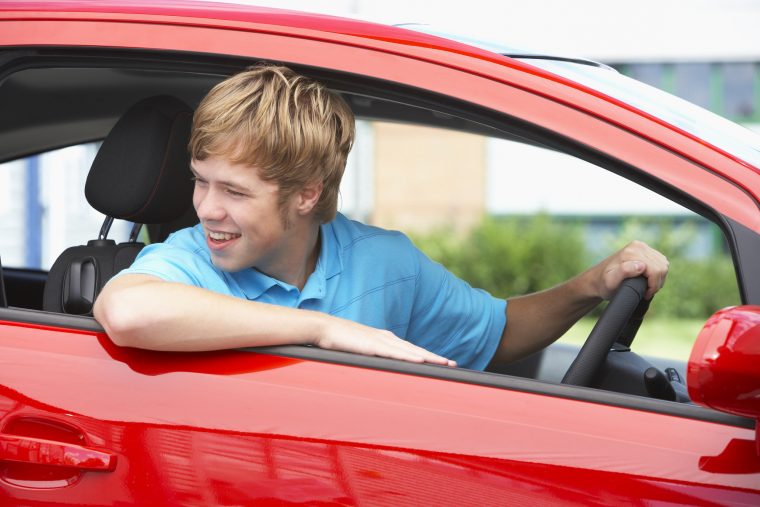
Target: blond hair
[(291, 128)]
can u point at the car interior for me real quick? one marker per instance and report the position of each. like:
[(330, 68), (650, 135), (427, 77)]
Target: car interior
[(53, 98), (139, 174)]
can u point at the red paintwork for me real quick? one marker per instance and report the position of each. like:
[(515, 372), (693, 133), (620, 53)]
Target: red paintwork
[(238, 427), (724, 371)]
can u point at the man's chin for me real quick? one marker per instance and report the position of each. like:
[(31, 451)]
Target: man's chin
[(228, 265)]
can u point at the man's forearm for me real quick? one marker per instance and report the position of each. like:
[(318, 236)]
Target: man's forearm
[(146, 312), (158, 315), (537, 320)]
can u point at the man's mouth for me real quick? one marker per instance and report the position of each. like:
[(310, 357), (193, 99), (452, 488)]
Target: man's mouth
[(219, 238)]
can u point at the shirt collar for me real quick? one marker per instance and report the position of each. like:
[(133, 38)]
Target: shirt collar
[(329, 264), (254, 283), (331, 253)]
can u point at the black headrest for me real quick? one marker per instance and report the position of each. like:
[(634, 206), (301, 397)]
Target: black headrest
[(141, 172)]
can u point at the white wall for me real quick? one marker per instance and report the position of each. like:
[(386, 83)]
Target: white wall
[(598, 29), (524, 179), (67, 218)]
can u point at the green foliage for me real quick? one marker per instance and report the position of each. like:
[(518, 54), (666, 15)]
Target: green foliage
[(510, 256), (518, 255), (697, 288)]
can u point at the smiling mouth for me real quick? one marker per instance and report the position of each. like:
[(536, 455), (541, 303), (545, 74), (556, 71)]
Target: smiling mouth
[(222, 236), (219, 238)]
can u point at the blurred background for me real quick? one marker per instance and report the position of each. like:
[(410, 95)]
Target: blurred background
[(494, 234)]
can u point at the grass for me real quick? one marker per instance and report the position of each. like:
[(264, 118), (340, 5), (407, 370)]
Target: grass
[(660, 337)]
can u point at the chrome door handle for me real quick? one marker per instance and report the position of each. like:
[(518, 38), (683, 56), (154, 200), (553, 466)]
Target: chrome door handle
[(38, 451)]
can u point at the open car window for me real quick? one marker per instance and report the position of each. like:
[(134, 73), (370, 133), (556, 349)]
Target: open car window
[(515, 218), (43, 209)]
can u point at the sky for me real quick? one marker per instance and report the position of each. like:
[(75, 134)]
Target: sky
[(599, 29)]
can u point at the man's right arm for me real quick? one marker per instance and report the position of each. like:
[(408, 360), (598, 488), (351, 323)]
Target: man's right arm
[(146, 312)]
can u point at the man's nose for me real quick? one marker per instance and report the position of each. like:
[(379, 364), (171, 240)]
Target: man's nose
[(208, 206)]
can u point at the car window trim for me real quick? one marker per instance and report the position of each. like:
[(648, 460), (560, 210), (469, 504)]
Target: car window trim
[(485, 379)]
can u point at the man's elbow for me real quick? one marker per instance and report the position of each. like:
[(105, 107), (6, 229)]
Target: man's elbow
[(120, 319)]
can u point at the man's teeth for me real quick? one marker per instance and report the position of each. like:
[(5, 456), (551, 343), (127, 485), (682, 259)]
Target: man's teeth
[(222, 236)]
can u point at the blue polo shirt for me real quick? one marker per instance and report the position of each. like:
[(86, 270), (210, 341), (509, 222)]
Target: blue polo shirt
[(363, 273)]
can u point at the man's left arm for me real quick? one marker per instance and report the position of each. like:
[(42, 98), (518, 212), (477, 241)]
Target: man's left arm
[(536, 320)]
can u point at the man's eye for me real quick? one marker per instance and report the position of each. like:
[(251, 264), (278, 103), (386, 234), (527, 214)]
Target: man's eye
[(197, 180), (235, 194)]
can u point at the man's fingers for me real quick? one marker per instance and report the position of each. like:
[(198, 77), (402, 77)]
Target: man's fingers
[(635, 259), (353, 337), (654, 267), (632, 268), (419, 354)]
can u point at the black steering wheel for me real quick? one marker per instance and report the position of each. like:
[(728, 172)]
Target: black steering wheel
[(618, 323)]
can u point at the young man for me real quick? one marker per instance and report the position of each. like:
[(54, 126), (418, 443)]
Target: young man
[(272, 263)]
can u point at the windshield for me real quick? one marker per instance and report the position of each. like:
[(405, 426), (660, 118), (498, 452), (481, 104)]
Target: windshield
[(720, 132)]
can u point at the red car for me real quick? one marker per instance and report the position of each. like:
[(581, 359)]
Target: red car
[(84, 422)]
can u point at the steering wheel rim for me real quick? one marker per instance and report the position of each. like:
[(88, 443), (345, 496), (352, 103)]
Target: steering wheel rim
[(622, 316)]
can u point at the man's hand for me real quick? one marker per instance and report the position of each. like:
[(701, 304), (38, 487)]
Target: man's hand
[(349, 336), (634, 259), (536, 320)]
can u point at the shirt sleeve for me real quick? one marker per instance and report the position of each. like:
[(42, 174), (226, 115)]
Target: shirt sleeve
[(454, 320), (168, 262)]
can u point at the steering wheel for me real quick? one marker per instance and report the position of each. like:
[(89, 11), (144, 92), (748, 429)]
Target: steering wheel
[(618, 323)]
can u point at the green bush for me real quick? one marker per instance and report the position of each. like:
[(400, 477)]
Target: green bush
[(517, 255), (697, 288), (510, 256)]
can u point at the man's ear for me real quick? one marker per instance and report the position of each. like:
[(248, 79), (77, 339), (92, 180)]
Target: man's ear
[(308, 197)]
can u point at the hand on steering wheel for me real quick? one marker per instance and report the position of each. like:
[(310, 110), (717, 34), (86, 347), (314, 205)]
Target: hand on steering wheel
[(618, 322)]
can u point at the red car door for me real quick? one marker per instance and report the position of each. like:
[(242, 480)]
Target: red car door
[(88, 423)]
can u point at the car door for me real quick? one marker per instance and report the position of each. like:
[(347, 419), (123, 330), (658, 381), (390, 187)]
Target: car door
[(87, 422)]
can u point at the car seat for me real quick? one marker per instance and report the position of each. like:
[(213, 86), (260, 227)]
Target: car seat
[(141, 174)]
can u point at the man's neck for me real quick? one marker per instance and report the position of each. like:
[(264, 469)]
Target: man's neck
[(311, 260), (298, 261)]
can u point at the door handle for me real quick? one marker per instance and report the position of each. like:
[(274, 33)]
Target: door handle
[(38, 451)]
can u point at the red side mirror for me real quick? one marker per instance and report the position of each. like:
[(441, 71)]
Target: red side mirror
[(724, 367)]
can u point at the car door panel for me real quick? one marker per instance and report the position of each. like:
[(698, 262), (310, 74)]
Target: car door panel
[(217, 428)]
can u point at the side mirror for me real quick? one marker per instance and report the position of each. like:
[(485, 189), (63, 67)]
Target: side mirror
[(724, 367)]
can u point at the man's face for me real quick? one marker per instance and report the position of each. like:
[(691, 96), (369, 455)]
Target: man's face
[(241, 217)]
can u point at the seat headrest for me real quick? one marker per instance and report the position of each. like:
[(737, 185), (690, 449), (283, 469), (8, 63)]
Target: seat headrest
[(141, 172)]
